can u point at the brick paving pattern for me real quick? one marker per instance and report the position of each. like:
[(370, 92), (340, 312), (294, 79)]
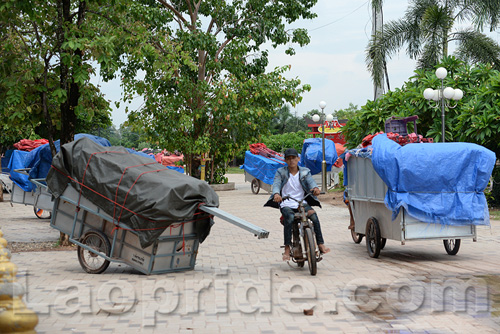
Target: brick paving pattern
[(240, 284)]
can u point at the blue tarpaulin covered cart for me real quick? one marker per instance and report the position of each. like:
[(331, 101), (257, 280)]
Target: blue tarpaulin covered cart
[(28, 171), (417, 191), (260, 171)]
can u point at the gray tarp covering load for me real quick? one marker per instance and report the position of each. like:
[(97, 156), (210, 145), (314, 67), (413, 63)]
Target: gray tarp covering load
[(135, 191)]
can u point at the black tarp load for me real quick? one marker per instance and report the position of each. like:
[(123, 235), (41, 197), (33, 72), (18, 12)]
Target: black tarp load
[(140, 193)]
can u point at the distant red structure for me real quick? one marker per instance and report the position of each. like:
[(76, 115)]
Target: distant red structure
[(333, 130)]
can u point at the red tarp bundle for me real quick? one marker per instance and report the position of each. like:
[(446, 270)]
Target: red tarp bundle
[(401, 140), (29, 145), (261, 149), (167, 159)]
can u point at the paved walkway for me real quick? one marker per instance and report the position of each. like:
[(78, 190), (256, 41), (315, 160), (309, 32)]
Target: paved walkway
[(240, 284)]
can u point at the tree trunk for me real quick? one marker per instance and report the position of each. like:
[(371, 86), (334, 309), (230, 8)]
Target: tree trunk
[(377, 19), (68, 115), (45, 109)]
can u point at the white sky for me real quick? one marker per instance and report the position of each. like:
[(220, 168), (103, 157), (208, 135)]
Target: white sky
[(333, 63)]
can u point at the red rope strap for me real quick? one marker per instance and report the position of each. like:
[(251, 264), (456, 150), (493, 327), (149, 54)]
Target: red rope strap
[(85, 172), (137, 179), (123, 174)]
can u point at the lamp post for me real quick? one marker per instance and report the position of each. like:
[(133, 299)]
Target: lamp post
[(317, 118), (442, 95)]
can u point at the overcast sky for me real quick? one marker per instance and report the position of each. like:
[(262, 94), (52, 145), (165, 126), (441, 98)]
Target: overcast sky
[(333, 63)]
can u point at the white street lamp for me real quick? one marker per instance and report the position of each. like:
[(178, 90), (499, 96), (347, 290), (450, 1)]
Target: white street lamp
[(316, 118), (443, 94)]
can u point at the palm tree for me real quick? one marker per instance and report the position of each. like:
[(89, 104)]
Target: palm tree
[(280, 120), (427, 28), (377, 30)]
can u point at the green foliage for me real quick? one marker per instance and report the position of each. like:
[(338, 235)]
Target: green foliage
[(110, 133), (427, 28), (494, 196), (204, 85), (347, 113), (46, 55), (284, 121), (283, 141), (131, 138), (475, 119)]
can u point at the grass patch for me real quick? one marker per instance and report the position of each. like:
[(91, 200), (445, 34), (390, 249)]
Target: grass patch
[(336, 190), (495, 213), (235, 170)]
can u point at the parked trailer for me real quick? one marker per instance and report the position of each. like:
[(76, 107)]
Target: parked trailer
[(372, 219), (257, 184), (100, 241), (40, 198)]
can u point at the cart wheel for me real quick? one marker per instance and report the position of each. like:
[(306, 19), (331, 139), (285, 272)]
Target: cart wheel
[(452, 246), (382, 243), (373, 239), (255, 186), (41, 213), (91, 262), (356, 237)]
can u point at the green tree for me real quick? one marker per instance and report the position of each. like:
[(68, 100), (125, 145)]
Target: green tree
[(220, 98), (475, 119), (280, 142), (131, 137), (347, 113), (284, 122), (47, 52), (377, 30), (427, 28)]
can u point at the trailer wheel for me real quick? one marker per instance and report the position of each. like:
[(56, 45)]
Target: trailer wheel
[(91, 262), (255, 186), (356, 237), (41, 213), (373, 239), (452, 246)]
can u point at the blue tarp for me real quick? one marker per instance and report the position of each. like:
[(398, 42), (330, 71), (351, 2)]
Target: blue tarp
[(142, 154), (39, 161), (436, 183), (260, 167), (312, 154), (18, 160), (176, 168), (5, 161)]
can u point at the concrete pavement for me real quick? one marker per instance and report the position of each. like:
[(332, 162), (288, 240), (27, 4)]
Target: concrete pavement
[(240, 284)]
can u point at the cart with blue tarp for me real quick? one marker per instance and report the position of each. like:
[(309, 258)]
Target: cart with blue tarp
[(312, 155), (417, 191), (28, 171), (260, 170)]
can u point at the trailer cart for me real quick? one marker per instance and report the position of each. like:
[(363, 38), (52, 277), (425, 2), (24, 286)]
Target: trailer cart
[(100, 241), (366, 197)]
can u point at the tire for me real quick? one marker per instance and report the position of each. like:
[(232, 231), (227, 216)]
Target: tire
[(310, 251), (452, 246), (373, 239), (91, 262), (255, 186), (41, 213), (382, 243), (356, 237)]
